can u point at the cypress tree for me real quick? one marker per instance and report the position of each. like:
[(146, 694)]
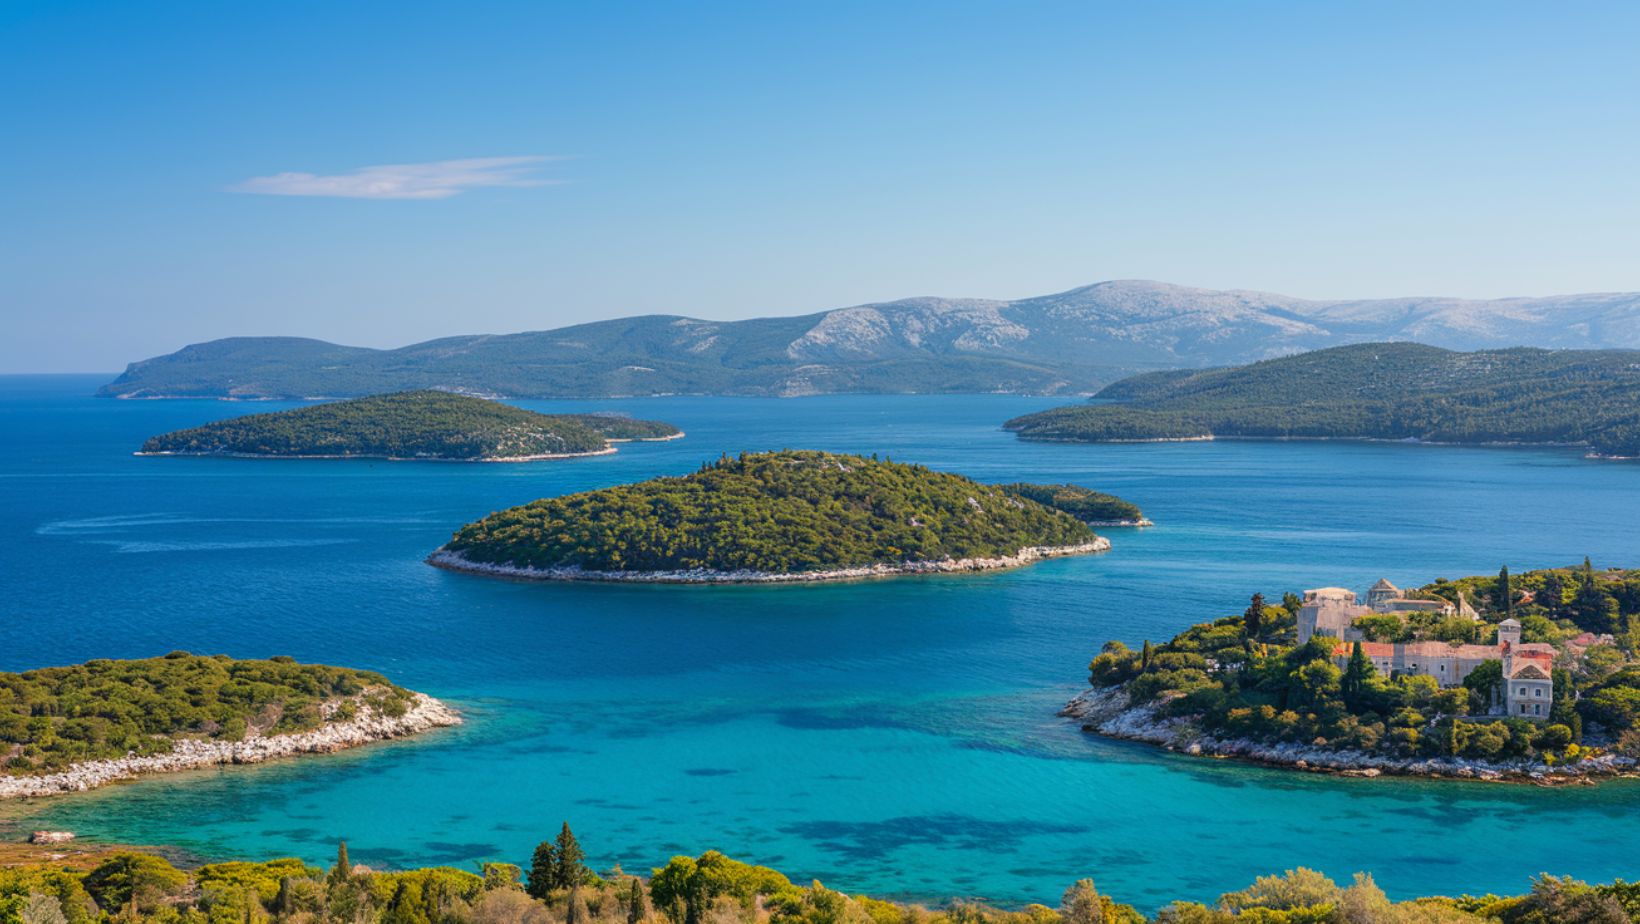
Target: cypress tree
[(1505, 599), (570, 871), (343, 870), (1145, 655), (634, 901), (1356, 675), (543, 876), (1253, 619)]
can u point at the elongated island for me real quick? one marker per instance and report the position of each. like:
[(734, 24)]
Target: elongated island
[(1530, 677), (411, 425), (1372, 391), (69, 729), (772, 517)]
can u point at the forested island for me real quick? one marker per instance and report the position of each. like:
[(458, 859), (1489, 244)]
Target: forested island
[(557, 885), (1387, 391), (425, 425), (1528, 676), (775, 516), (65, 729)]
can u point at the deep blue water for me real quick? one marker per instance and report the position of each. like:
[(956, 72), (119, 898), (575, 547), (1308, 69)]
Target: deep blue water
[(892, 737)]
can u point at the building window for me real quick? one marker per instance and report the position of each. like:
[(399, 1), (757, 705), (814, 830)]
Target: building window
[(1537, 708), (1538, 692)]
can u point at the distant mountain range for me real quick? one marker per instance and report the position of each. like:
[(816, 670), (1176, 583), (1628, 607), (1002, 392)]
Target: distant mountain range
[(1069, 343)]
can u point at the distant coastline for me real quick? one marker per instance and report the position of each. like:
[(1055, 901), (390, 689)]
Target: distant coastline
[(424, 714), (454, 561)]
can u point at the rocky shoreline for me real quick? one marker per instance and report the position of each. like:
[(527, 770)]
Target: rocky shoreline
[(1108, 711), (424, 714), (454, 561)]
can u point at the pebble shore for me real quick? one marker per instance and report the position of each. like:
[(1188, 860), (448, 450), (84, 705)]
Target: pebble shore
[(425, 713)]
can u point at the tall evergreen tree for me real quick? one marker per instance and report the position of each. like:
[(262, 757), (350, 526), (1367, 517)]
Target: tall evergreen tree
[(1504, 595), (543, 876), (575, 910), (635, 901), (1553, 596), (1145, 655), (343, 870), (1253, 619), (571, 871), (1356, 676)]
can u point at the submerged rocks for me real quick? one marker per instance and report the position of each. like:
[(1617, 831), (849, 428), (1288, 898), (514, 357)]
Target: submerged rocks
[(1109, 711), (425, 713), (51, 837)]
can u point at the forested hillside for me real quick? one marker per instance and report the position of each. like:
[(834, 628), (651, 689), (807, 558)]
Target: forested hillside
[(775, 512), (1378, 391), (57, 716)]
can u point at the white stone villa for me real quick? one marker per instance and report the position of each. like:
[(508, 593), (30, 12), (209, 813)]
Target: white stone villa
[(1331, 612)]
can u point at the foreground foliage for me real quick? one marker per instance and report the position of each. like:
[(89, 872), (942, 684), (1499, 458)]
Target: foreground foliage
[(1244, 676), (56, 716), (709, 889), (775, 512), (1376, 390), (409, 425)]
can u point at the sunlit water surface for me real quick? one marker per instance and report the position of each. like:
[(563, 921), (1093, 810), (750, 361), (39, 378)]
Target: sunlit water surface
[(895, 737)]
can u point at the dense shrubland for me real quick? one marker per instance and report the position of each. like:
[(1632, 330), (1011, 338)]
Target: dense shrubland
[(772, 512), (1374, 390), (559, 888), (409, 425), (1085, 504), (1244, 676), (56, 716)]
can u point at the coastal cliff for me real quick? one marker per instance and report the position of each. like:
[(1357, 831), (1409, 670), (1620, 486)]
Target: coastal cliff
[(424, 713), (1109, 711)]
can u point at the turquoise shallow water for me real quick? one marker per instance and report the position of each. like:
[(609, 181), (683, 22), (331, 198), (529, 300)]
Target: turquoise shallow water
[(893, 737)]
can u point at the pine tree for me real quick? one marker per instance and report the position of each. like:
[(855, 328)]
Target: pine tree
[(1253, 619), (635, 901), (543, 876), (570, 870), (1505, 595)]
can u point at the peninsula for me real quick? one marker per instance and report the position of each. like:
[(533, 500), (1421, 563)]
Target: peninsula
[(412, 425), (69, 729), (776, 516), (1380, 391), (1527, 677)]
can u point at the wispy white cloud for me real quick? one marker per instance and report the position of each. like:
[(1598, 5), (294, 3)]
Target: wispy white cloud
[(439, 179)]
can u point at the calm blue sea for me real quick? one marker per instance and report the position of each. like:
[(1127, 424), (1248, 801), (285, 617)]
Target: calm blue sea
[(894, 737)]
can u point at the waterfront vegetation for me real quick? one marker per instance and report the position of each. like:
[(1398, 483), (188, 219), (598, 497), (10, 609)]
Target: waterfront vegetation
[(53, 717), (1397, 391), (557, 886), (409, 425), (775, 512), (1085, 504), (1244, 677)]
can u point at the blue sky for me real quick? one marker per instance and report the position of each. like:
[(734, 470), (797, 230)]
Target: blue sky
[(732, 160)]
